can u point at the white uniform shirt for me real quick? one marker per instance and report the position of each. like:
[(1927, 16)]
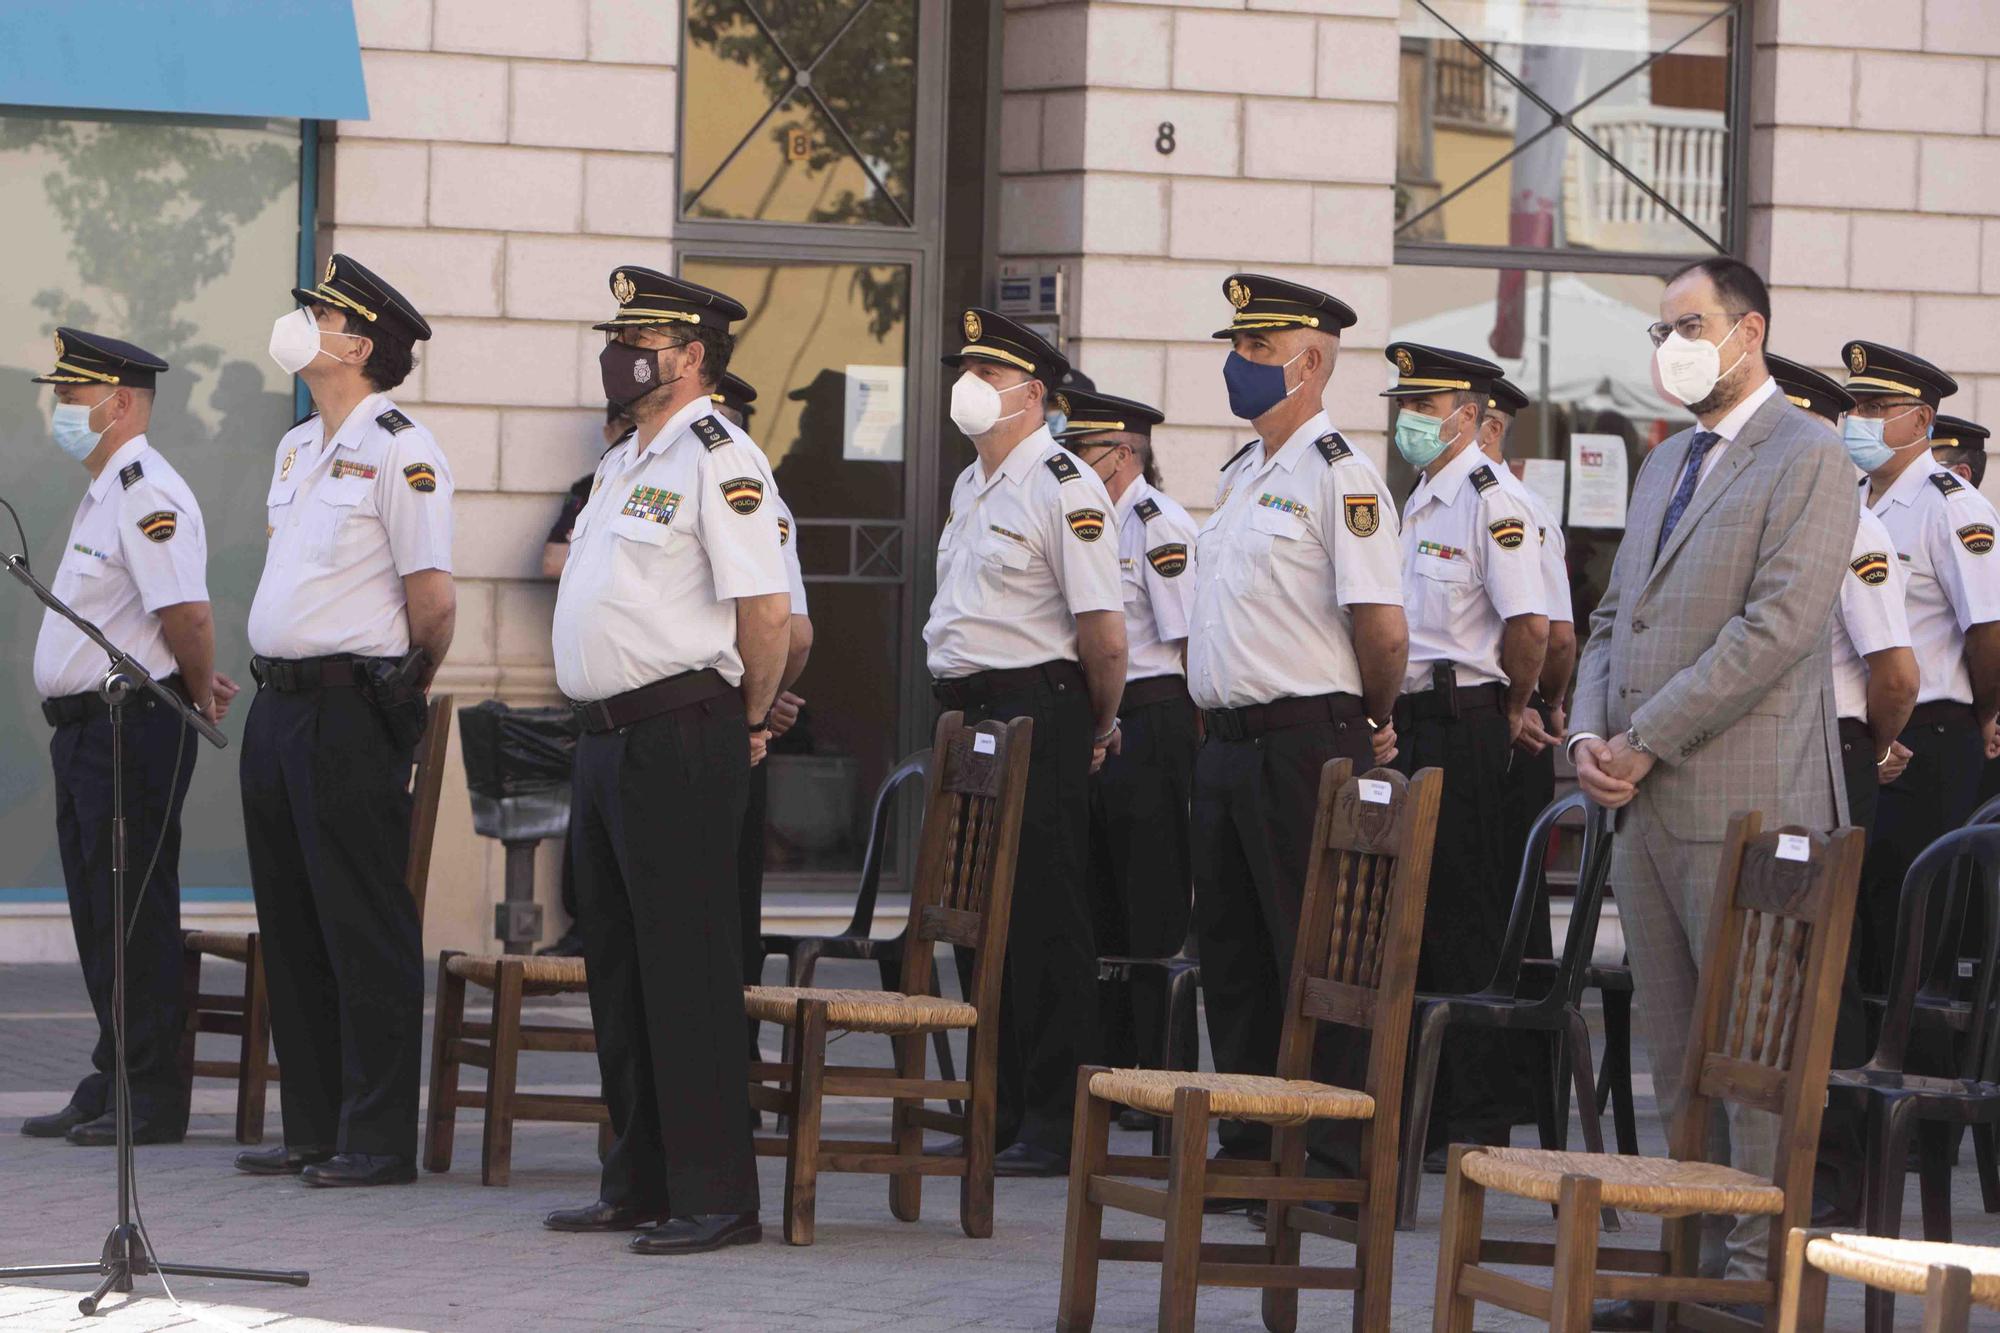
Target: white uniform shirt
[(1943, 530), (788, 544), (1553, 547), (138, 544), (348, 519), (1294, 540), (676, 529), (1156, 570), (1023, 553), (1471, 562), (1870, 615)]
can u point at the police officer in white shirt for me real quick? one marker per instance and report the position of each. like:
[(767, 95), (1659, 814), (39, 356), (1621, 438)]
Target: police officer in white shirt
[(1961, 446), (1478, 630), (1140, 879), (136, 566), (352, 616), (1295, 655), (1028, 621), (1943, 533), (670, 635)]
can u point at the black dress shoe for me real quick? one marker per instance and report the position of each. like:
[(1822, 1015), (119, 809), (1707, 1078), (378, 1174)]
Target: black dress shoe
[(699, 1234), (1026, 1160), (569, 946), (1622, 1316), (56, 1125), (602, 1216), (103, 1132), (1132, 1118), (360, 1168), (280, 1161)]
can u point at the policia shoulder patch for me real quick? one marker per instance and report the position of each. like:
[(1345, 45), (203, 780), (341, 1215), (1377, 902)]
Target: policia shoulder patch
[(1064, 469), (1976, 537), (1087, 524), (713, 436), (1872, 568), (421, 477), (160, 525), (1168, 561), (1363, 514), (1508, 533), (744, 494)]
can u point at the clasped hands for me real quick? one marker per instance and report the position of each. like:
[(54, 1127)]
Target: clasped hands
[(1610, 771)]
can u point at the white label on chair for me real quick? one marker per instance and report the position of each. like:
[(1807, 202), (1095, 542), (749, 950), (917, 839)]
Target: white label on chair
[(982, 742), (1965, 967), (1793, 847), (1374, 791)]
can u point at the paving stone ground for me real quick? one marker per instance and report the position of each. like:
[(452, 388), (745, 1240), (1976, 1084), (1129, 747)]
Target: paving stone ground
[(448, 1254)]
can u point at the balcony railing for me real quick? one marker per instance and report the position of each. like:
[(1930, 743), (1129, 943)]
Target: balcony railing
[(1683, 154)]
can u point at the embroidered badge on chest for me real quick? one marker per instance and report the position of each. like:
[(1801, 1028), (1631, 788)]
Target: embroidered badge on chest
[(1872, 568), (1363, 512), (343, 467), (650, 502), (421, 476), (1087, 524), (1296, 508), (285, 468), (1168, 561), (744, 494)]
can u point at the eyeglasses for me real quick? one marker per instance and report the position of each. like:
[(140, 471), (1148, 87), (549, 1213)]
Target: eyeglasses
[(1689, 326)]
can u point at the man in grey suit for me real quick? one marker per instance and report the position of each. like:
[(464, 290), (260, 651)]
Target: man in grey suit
[(1706, 687)]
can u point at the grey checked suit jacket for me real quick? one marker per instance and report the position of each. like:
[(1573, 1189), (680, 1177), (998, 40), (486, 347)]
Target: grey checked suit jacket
[(1717, 652)]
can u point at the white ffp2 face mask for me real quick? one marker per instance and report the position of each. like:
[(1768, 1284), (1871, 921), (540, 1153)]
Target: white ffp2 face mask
[(1691, 368), (975, 404), (295, 340)]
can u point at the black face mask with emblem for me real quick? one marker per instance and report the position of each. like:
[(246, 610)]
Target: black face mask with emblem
[(630, 373)]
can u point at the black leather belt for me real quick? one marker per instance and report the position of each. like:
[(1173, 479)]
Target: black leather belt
[(1151, 690), (662, 696), (1426, 705), (1944, 714), (1253, 720), (88, 707), (300, 674), (983, 687)]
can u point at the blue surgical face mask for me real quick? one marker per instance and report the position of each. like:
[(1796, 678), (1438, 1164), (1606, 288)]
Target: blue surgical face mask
[(1420, 439), (1254, 387), (1865, 445), (70, 427), (1057, 420)]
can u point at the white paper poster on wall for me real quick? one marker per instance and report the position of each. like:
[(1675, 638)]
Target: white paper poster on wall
[(1597, 491), (1544, 476), (874, 421)]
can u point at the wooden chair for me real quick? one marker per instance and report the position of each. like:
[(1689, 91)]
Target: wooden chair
[(962, 895), (1360, 928), (1951, 1279), (1762, 1035), (1525, 995), (247, 1016), (496, 1047)]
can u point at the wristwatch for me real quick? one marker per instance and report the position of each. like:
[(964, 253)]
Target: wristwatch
[(761, 724), (1632, 739)]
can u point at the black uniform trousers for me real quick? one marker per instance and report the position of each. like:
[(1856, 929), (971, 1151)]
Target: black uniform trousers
[(1251, 825), (658, 899), (155, 786), (326, 816), (1048, 991), (1530, 788), (1486, 1080), (750, 886), (1843, 1126), (1141, 879)]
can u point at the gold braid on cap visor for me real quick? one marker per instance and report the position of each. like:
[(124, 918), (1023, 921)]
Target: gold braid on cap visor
[(332, 297), (980, 349), (1892, 386), (82, 376)]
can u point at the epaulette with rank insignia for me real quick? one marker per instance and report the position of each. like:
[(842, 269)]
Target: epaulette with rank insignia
[(129, 474), (394, 422), (711, 432), (1238, 454), (1483, 478), (1147, 510), (1060, 464), (1946, 483), (1332, 448)]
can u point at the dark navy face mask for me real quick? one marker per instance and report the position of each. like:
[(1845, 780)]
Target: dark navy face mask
[(630, 373), (1254, 388)]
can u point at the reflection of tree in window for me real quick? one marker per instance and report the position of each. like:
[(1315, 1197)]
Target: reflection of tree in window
[(840, 76), (152, 214)]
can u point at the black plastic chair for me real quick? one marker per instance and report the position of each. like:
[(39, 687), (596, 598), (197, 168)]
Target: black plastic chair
[(1613, 984), (1525, 995), (803, 953), (1179, 979), (1935, 1108)]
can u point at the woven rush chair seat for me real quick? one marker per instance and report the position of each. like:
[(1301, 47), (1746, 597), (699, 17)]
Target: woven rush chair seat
[(1267, 1100), (231, 944), (539, 975), (1655, 1185), (1904, 1265), (879, 1011)]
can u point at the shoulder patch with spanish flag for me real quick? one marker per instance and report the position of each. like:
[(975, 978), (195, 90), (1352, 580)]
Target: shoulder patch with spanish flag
[(1363, 513), (1508, 533), (1087, 524), (1976, 537), (1169, 560), (744, 494), (784, 530), (160, 525), (1872, 568), (421, 476)]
